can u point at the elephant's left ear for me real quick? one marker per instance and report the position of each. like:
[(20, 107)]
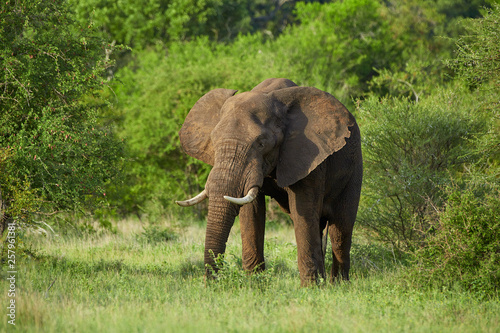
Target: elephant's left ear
[(199, 123), (317, 126)]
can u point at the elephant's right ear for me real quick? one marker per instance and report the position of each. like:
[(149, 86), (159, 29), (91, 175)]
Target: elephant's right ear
[(199, 123)]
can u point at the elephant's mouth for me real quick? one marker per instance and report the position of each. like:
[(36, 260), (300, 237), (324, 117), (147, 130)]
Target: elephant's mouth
[(248, 198)]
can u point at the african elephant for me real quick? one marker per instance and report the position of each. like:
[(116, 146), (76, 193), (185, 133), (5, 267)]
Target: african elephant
[(300, 146)]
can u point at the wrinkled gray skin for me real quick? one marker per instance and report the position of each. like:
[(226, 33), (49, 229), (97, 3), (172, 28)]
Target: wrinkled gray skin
[(298, 145)]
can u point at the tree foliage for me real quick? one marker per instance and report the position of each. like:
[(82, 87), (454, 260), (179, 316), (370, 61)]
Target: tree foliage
[(338, 46), (139, 23), (51, 142), (478, 63), (464, 239), (142, 24)]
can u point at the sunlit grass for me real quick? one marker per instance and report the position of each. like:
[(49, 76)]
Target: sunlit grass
[(116, 282)]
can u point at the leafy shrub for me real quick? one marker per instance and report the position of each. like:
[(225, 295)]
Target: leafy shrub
[(411, 151), (52, 70), (464, 245), (18, 200)]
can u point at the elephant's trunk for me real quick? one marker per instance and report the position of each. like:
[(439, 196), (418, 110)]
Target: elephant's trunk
[(232, 175), (221, 215)]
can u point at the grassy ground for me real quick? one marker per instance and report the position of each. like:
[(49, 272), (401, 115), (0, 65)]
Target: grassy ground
[(133, 281)]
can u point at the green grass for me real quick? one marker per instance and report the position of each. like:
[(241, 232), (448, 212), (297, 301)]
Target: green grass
[(121, 282)]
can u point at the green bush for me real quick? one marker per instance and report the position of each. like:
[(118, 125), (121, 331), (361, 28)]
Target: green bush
[(411, 151), (417, 150), (464, 245), (50, 114)]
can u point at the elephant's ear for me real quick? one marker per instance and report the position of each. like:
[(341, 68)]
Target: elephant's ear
[(199, 123), (269, 85), (317, 126)]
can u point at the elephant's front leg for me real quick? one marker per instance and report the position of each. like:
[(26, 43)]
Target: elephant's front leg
[(306, 202), (252, 223)]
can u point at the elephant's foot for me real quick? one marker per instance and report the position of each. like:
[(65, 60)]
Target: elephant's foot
[(252, 262), (340, 271), (314, 279), (254, 268), (312, 271)]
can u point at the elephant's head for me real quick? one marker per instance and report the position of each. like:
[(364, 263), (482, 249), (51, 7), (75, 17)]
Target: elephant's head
[(278, 129)]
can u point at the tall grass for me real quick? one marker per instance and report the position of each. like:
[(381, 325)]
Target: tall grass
[(117, 282)]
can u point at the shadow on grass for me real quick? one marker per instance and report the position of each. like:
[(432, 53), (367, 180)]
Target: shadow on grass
[(190, 269), (366, 260), (87, 268)]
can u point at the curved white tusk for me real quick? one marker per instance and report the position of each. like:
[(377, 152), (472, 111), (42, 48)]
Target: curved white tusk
[(193, 201), (252, 194)]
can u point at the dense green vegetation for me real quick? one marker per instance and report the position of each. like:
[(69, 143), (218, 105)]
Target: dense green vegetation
[(55, 154), (88, 138)]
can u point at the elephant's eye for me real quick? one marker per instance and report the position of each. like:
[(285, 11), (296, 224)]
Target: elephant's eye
[(265, 142), (260, 144)]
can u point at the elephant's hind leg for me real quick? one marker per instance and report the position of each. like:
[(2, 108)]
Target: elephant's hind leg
[(341, 239), (340, 226)]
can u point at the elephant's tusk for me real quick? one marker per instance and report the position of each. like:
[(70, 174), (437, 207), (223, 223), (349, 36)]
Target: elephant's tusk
[(193, 201), (252, 194)]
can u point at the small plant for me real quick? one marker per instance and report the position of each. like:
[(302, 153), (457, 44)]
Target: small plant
[(225, 271), (228, 274), (155, 234)]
